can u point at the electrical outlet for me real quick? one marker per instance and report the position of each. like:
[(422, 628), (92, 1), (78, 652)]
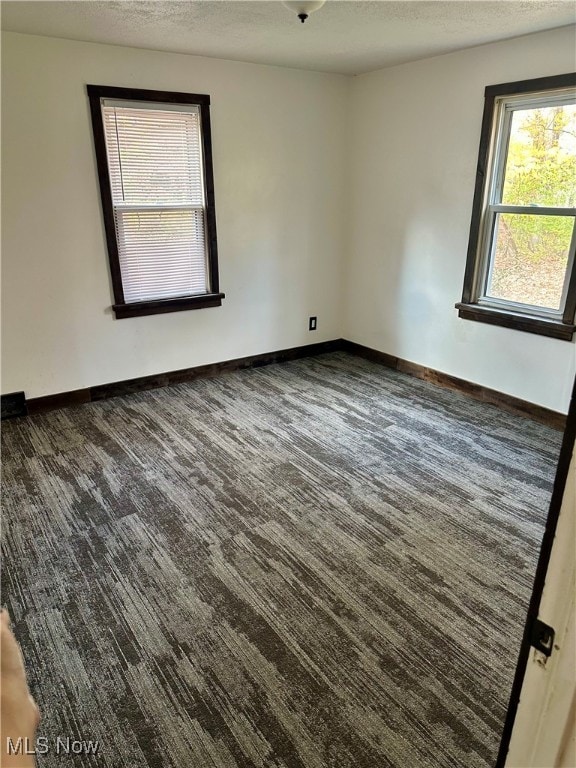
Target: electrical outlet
[(312, 323)]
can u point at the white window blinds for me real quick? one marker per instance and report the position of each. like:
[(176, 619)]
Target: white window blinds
[(156, 175)]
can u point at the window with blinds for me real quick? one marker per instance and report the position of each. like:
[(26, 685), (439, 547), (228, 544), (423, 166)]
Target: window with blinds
[(161, 247)]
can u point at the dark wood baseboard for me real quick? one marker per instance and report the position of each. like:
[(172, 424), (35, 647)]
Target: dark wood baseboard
[(115, 389), (60, 400), (370, 354), (13, 404), (507, 402)]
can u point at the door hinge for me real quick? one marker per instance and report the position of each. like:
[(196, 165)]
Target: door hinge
[(542, 637)]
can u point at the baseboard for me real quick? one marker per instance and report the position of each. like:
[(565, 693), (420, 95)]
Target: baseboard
[(13, 405), (507, 402), (60, 400), (104, 391)]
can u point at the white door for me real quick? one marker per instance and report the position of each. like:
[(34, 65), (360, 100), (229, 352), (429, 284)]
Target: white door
[(540, 730)]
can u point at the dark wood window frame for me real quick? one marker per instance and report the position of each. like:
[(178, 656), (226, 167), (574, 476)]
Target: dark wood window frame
[(468, 307), (123, 309)]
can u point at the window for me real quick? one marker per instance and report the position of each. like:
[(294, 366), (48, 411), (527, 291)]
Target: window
[(520, 269), (153, 151)]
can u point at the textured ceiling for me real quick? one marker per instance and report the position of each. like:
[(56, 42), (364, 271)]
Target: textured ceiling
[(343, 36)]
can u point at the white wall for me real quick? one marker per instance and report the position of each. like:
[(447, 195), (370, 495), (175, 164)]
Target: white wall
[(278, 142), (416, 132), (308, 168)]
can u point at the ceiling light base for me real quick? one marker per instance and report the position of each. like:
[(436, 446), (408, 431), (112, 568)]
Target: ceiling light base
[(303, 8)]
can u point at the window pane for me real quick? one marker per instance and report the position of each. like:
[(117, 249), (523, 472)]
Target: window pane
[(162, 253), (154, 156), (530, 259), (541, 161)]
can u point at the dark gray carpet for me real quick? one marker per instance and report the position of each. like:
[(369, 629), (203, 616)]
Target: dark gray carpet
[(320, 563)]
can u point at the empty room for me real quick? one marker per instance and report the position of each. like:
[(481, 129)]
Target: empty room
[(288, 306)]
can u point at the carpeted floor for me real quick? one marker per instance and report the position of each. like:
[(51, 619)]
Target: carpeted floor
[(317, 564)]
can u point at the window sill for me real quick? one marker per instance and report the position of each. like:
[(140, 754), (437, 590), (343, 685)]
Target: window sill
[(140, 308), (528, 323)]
